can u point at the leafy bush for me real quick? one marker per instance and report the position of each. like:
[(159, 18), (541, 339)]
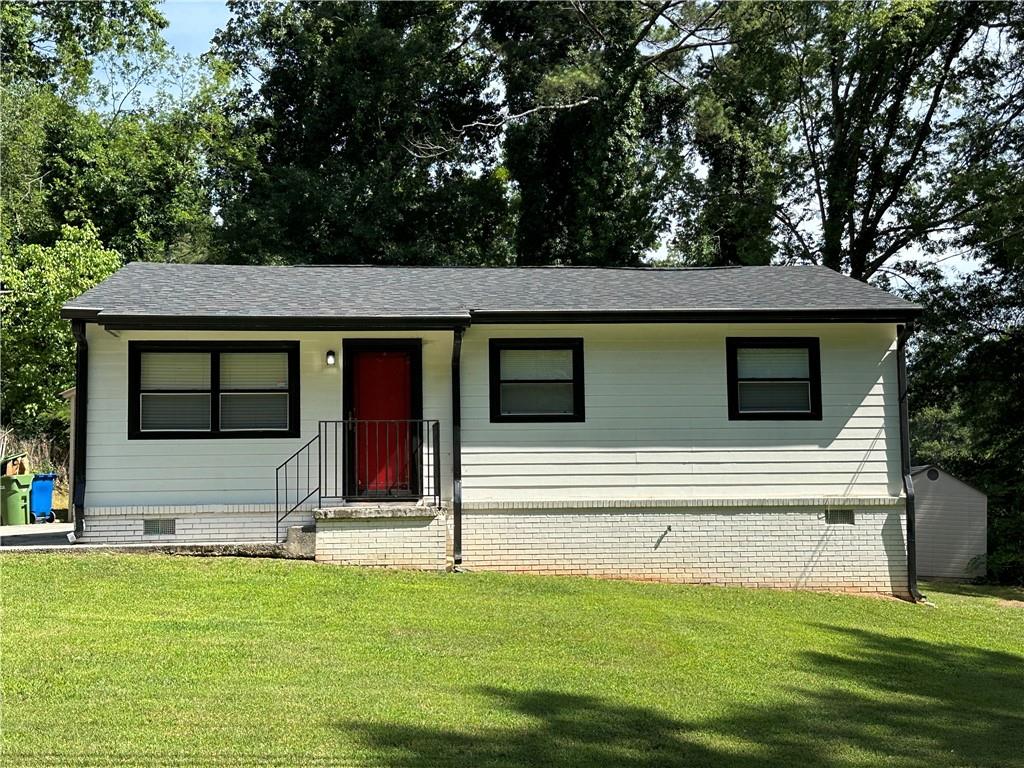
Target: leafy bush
[(38, 347)]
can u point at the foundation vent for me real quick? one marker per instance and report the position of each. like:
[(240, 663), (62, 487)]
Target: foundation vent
[(158, 526), (839, 516)]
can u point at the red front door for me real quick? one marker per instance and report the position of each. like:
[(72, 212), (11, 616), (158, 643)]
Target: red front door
[(381, 406)]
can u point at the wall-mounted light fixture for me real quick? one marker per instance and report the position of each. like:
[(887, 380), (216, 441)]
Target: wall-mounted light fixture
[(331, 357)]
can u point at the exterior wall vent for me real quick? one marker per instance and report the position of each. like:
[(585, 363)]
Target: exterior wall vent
[(839, 516), (158, 526)]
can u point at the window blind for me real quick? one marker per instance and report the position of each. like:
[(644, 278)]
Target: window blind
[(175, 370), (175, 411), (213, 390), (536, 380), (771, 396), (537, 398), (252, 410), (526, 364), (772, 363), (254, 370)]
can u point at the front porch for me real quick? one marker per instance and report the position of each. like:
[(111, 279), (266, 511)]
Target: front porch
[(360, 469)]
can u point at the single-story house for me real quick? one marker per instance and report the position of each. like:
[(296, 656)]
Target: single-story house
[(724, 425), (952, 525)]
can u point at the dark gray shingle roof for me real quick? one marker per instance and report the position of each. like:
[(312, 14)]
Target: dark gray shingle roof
[(168, 291)]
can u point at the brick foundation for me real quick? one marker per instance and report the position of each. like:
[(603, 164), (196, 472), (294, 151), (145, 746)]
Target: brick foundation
[(782, 548), (775, 546), (401, 542), (206, 524)]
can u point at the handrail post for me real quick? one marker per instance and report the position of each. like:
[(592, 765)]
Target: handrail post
[(435, 429)]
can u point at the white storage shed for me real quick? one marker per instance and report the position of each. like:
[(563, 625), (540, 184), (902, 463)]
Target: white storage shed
[(952, 518)]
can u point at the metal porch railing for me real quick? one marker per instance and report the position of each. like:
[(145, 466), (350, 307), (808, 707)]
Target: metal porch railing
[(360, 460)]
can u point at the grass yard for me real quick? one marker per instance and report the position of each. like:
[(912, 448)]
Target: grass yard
[(150, 660)]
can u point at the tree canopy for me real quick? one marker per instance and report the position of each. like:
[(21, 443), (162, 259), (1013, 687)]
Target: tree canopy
[(331, 102)]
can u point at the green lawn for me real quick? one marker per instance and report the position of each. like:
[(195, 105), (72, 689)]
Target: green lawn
[(150, 660)]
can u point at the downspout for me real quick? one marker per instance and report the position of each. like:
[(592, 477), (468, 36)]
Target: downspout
[(457, 444), (81, 413), (903, 333)]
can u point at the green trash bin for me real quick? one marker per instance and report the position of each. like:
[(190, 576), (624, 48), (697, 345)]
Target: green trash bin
[(15, 490), (14, 494)]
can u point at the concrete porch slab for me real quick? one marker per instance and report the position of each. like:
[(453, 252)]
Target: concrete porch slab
[(375, 512)]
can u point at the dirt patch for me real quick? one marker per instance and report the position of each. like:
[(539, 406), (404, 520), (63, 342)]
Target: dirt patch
[(1010, 603)]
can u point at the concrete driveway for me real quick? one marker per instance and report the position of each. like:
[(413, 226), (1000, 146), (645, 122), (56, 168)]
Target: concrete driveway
[(40, 534)]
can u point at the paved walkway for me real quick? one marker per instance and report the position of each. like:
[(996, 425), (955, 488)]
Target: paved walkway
[(40, 534)]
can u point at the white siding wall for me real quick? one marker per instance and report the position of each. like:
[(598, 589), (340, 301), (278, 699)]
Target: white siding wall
[(144, 473), (951, 526), (657, 421), (657, 424)]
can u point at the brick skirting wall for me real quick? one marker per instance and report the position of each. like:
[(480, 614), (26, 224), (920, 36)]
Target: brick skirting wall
[(400, 542), (771, 546), (775, 547), (205, 523)]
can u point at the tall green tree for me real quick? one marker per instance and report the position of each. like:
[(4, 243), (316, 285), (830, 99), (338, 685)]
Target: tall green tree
[(138, 177), (57, 43), (83, 186), (885, 114), (738, 128), (330, 158), (597, 102), (967, 381), (78, 148), (38, 348), (866, 132), (582, 158)]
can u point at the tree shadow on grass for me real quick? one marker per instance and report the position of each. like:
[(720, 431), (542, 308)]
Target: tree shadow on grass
[(878, 700), (967, 589)]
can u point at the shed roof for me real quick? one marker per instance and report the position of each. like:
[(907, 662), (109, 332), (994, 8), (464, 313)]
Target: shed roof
[(192, 295), (924, 467)]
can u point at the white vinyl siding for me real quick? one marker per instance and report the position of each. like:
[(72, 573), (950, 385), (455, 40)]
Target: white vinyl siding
[(657, 424), (240, 471)]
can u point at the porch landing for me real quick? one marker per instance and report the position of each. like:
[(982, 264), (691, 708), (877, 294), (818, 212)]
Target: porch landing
[(371, 511)]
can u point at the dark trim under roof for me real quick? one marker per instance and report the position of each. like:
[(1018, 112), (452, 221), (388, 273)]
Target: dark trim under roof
[(244, 323), (197, 323), (694, 316)]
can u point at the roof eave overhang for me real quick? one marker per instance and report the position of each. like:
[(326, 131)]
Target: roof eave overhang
[(442, 322), (252, 323), (899, 315)]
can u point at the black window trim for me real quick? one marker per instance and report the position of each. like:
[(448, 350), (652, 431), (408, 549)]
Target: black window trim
[(214, 349), (575, 345), (813, 346)]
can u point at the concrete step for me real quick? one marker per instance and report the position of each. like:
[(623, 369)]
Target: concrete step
[(300, 542)]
